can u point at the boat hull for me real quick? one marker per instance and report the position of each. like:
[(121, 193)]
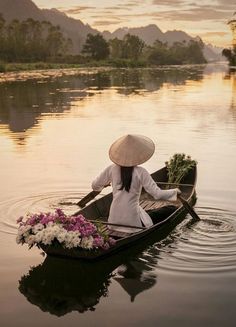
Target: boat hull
[(100, 208)]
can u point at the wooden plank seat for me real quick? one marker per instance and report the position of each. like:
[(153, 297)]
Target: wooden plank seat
[(114, 233), (157, 204)]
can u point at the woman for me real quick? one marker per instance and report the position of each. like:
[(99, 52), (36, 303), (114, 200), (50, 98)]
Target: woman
[(128, 179)]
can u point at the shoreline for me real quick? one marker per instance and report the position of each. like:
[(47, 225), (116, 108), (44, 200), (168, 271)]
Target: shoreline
[(43, 74), (29, 71)]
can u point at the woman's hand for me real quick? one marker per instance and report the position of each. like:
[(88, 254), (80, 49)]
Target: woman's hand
[(178, 191)]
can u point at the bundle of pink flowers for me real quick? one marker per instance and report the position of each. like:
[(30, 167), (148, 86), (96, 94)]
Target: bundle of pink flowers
[(69, 231)]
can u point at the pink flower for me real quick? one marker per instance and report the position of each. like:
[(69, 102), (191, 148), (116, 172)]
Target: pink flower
[(105, 246), (86, 230), (98, 241), (111, 241)]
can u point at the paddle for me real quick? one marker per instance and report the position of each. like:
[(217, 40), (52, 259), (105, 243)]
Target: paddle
[(189, 208), (87, 198)]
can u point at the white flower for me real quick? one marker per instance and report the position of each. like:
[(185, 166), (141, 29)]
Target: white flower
[(37, 228), (39, 236), (30, 239), (61, 236), (87, 242), (71, 239), (24, 230), (46, 239), (46, 234), (19, 239)]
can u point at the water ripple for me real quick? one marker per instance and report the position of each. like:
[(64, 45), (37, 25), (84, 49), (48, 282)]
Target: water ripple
[(12, 209), (208, 245)]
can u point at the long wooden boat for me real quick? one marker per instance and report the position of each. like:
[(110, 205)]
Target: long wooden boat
[(98, 210)]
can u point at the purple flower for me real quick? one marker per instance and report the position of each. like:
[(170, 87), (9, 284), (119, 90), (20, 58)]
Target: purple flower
[(60, 212), (98, 241), (69, 223), (105, 246), (111, 241)]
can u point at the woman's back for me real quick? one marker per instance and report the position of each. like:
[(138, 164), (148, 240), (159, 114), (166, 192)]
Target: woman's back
[(125, 207)]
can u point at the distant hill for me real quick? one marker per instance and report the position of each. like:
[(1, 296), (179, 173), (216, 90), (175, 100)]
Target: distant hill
[(72, 28), (20, 9), (151, 33), (77, 31), (23, 9), (176, 36)]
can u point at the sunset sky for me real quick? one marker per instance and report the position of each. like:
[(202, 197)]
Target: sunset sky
[(206, 18)]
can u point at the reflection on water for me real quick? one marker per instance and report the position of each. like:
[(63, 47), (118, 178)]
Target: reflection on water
[(24, 103), (233, 105), (60, 286), (55, 131)]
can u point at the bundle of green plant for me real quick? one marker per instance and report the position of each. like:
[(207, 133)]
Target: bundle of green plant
[(178, 167)]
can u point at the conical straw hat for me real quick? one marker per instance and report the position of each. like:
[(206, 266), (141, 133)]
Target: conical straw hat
[(131, 150)]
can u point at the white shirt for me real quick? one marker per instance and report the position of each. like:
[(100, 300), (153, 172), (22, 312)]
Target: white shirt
[(125, 208)]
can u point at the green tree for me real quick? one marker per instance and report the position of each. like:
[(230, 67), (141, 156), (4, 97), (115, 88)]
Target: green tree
[(31, 40), (158, 54), (55, 41), (116, 48), (2, 24), (96, 47), (230, 55), (194, 52), (2, 37), (132, 47), (178, 53)]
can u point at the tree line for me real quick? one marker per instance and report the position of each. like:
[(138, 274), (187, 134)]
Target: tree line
[(230, 55), (32, 41), (132, 48)]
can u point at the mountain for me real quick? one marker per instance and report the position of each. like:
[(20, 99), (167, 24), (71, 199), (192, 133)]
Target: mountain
[(72, 28), (23, 9), (77, 31), (213, 53), (150, 33), (176, 36), (20, 9)]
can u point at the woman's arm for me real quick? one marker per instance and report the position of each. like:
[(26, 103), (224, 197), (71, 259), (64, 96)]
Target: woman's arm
[(102, 180), (151, 187)]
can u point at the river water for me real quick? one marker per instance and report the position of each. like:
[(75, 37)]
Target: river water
[(55, 131)]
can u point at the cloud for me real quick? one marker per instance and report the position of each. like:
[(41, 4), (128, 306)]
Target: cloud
[(212, 34), (127, 5), (189, 10), (227, 4), (105, 22), (168, 3), (77, 10), (108, 17), (194, 14)]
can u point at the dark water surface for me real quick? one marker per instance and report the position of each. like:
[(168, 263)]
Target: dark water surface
[(55, 130)]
